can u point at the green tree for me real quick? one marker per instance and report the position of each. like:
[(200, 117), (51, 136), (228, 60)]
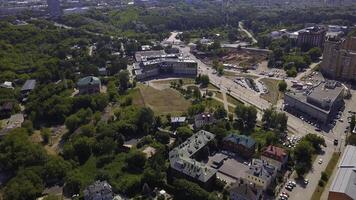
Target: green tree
[(220, 112), (247, 114), (82, 148), (204, 80), (55, 169), (124, 80), (184, 133), (314, 53), (189, 190), (135, 161), (282, 86)]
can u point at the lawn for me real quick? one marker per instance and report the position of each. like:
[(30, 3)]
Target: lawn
[(186, 81), (328, 170), (212, 87), (273, 94), (233, 100), (212, 103), (161, 102)]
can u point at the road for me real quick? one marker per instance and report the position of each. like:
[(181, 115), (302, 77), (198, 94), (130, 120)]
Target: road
[(254, 41)]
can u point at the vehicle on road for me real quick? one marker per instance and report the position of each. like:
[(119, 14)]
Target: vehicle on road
[(318, 129), (336, 142), (289, 188), (306, 181), (320, 161)]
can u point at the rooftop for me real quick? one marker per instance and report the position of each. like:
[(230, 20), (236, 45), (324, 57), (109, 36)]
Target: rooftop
[(29, 85), (178, 119), (181, 157), (274, 152), (246, 190), (89, 80), (246, 141), (261, 169), (345, 178), (99, 190)]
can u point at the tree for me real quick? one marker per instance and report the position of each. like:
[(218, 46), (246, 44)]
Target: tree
[(220, 112), (282, 86), (145, 119), (184, 133), (135, 161), (204, 80), (46, 135), (189, 190), (27, 184), (82, 148), (123, 80), (315, 140), (55, 169), (247, 114), (314, 53), (275, 120)]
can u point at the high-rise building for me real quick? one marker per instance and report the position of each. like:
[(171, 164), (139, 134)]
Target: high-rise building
[(54, 8), (339, 59), (312, 37)]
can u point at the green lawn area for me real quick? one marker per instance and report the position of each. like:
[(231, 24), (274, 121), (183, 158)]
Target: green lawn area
[(186, 81), (161, 102), (212, 103), (212, 87), (273, 94), (219, 95), (233, 100), (328, 170)]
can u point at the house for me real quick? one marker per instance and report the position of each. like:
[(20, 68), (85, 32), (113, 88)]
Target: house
[(183, 164), (28, 86), (99, 190), (203, 119), (7, 84), (276, 156), (177, 121), (240, 144), (103, 71), (344, 184), (243, 190), (89, 85), (261, 173)]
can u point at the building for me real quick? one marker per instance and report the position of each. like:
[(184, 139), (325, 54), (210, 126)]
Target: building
[(339, 59), (344, 183), (177, 121), (321, 102), (276, 156), (203, 119), (240, 144), (54, 8), (27, 87), (183, 164), (311, 37), (7, 84), (99, 190), (151, 64), (261, 173), (243, 190), (89, 85)]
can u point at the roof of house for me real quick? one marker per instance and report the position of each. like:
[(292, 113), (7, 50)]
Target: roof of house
[(178, 119), (89, 80), (275, 153), (261, 169), (181, 157), (101, 188), (244, 140), (29, 85), (345, 178), (204, 116), (246, 190)]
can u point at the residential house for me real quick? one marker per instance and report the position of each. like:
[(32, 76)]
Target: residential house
[(7, 84), (261, 173), (240, 144), (243, 190), (177, 121), (203, 119), (276, 156), (27, 87), (99, 190), (89, 85)]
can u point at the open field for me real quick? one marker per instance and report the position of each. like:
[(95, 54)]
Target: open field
[(273, 94), (233, 100), (160, 101), (328, 170)]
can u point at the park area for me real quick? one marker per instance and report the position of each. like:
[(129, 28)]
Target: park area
[(273, 94), (162, 102)]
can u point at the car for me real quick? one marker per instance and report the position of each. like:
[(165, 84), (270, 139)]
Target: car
[(341, 120), (318, 129), (288, 187), (246, 163), (336, 142), (306, 181), (320, 161), (285, 194)]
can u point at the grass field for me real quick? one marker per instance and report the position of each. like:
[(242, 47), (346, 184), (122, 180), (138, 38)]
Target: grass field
[(273, 94), (212, 87), (328, 170), (233, 100), (186, 81), (161, 102)]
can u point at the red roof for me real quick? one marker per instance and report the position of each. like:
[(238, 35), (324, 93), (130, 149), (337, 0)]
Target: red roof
[(275, 153)]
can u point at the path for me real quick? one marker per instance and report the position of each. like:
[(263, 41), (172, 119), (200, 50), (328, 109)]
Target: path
[(225, 100), (254, 41)]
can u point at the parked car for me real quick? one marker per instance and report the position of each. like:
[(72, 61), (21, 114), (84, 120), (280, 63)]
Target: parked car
[(320, 161), (306, 181), (336, 142), (289, 188)]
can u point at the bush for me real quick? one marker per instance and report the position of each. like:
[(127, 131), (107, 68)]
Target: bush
[(321, 183), (324, 176)]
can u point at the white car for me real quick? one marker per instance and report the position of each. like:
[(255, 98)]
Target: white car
[(320, 161)]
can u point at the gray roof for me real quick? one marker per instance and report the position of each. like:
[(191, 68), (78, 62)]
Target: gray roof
[(246, 190), (99, 190), (178, 119), (261, 169), (29, 85), (345, 178), (143, 55), (181, 157), (89, 80), (244, 140)]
